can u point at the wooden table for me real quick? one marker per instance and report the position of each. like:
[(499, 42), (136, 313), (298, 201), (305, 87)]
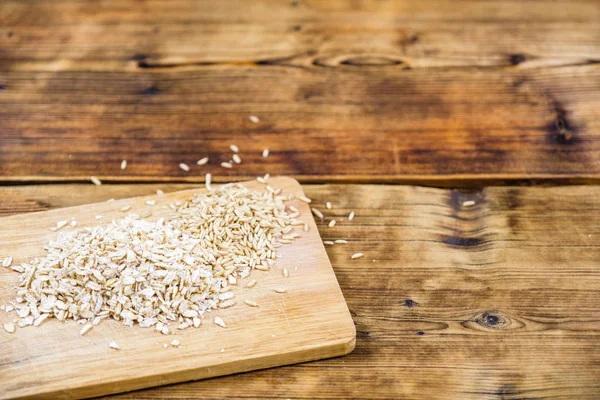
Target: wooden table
[(471, 100)]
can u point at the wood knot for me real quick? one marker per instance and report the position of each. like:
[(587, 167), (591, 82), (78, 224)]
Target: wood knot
[(461, 241), (362, 334), (410, 303), (150, 91), (420, 333), (561, 130), (493, 321), (373, 61), (516, 59), (138, 57)]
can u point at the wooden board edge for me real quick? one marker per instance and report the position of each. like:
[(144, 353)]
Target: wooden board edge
[(336, 348)]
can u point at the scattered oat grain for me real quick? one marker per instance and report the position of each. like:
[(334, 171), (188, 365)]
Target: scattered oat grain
[(351, 216), (328, 205), (280, 290), (254, 119), (114, 345), (86, 328), (328, 242), (357, 255), (304, 199), (151, 202), (317, 212), (7, 261), (175, 343), (123, 164), (468, 203), (96, 181), (159, 192), (331, 223), (61, 224), (265, 153), (125, 208), (184, 167), (236, 159), (202, 161), (251, 284), (9, 327), (234, 148), (251, 303), (226, 165), (285, 273), (220, 322), (341, 241), (207, 181)]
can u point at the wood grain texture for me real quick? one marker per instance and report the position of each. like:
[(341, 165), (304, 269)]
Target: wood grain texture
[(310, 321), (494, 301), (377, 91)]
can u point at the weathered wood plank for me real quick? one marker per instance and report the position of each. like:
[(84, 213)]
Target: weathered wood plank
[(110, 36), (389, 91), (497, 300), (382, 124)]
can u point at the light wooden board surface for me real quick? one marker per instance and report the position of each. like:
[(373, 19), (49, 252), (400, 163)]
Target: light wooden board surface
[(308, 322), (497, 301)]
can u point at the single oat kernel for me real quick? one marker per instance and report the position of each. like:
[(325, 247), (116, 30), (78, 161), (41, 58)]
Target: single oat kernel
[(251, 284), (220, 322), (86, 328), (251, 303), (184, 167), (9, 327)]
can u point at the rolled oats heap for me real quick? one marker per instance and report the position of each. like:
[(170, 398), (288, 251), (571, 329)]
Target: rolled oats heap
[(166, 273)]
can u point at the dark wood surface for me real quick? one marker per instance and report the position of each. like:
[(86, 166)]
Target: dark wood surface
[(495, 301), (429, 92)]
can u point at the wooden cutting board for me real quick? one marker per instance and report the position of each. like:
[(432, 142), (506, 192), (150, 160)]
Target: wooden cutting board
[(308, 322)]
